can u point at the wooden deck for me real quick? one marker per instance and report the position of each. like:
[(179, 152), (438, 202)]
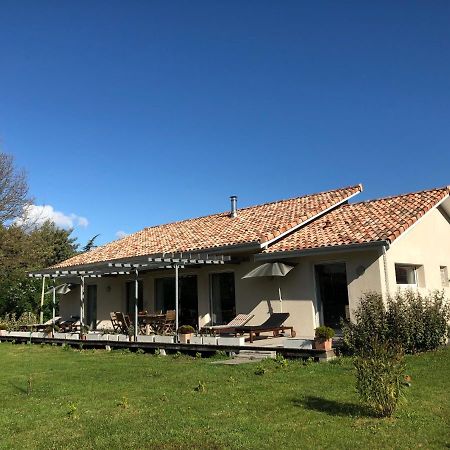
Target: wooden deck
[(261, 345)]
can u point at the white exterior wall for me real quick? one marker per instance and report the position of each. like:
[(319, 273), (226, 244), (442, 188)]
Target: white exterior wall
[(426, 244), (258, 296)]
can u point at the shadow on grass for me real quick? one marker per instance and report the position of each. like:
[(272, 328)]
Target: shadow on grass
[(332, 407), (19, 388)]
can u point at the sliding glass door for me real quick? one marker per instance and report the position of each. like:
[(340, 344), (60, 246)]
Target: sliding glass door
[(223, 301), (187, 298)]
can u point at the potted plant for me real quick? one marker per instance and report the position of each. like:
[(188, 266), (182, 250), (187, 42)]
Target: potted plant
[(185, 333), (323, 339), (83, 332)]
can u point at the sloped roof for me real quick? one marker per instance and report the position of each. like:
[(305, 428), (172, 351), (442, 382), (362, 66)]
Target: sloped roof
[(359, 223), (257, 224)]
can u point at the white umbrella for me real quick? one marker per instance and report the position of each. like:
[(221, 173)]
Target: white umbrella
[(275, 269)]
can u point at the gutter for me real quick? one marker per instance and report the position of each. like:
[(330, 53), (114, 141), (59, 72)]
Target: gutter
[(320, 250)]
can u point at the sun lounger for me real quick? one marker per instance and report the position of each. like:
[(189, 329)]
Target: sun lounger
[(274, 323), (238, 321)]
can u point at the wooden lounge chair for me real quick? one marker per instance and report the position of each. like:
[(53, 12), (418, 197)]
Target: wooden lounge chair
[(124, 322), (274, 323), (239, 321)]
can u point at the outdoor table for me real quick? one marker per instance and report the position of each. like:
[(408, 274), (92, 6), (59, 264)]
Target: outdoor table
[(151, 322)]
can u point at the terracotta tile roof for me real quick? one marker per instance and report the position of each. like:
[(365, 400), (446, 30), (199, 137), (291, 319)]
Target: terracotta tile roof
[(256, 224), (357, 223)]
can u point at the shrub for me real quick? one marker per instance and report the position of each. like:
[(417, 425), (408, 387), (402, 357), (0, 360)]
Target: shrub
[(380, 372), (324, 333), (415, 322)]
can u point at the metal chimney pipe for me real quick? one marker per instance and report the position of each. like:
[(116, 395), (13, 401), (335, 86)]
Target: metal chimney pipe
[(233, 199)]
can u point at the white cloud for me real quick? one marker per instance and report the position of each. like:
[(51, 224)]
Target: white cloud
[(36, 215), (121, 234)]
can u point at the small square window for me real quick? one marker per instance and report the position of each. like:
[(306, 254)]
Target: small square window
[(444, 276), (405, 274)]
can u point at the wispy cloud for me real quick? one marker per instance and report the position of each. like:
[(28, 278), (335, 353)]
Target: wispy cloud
[(36, 215), (121, 234)]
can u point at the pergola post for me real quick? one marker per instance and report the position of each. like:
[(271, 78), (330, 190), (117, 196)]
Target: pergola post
[(41, 312), (136, 298), (54, 307), (176, 298), (81, 303)]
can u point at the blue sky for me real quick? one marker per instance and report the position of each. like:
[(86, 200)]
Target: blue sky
[(130, 114)]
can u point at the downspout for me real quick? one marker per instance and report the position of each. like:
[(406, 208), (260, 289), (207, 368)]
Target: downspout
[(385, 265)]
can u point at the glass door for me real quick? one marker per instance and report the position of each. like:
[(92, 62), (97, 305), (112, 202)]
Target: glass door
[(91, 306), (223, 301), (332, 292)]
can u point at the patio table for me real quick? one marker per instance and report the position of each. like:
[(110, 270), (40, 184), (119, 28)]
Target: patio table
[(151, 322)]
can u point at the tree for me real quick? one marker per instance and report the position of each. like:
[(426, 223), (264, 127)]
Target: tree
[(13, 189), (23, 250), (90, 244)]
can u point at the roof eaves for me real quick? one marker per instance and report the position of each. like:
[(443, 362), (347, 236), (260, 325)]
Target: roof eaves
[(287, 254)]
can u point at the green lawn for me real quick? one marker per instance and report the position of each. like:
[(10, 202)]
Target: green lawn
[(99, 399)]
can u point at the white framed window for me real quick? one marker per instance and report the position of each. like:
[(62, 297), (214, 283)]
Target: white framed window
[(406, 274), (444, 276)]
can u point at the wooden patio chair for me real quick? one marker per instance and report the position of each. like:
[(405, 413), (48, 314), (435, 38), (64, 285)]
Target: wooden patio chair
[(239, 321), (124, 322), (169, 322), (114, 322), (274, 323)]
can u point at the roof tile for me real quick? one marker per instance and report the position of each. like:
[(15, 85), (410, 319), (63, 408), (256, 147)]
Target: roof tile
[(256, 224), (357, 223)]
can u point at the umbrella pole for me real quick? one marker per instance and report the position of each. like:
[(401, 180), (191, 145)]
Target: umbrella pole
[(279, 295)]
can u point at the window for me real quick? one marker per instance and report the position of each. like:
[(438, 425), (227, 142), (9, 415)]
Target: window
[(444, 276), (406, 274)]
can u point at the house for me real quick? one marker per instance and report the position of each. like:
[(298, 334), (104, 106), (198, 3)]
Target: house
[(339, 248)]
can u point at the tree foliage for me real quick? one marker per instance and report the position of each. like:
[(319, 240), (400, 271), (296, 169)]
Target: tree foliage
[(23, 250)]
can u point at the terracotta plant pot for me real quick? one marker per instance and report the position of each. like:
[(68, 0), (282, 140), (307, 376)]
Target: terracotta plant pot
[(323, 344), (185, 338)]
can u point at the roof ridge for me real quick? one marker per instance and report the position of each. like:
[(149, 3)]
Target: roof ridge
[(443, 188), (360, 186)]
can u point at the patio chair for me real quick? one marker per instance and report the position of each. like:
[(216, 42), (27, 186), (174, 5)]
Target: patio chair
[(124, 322), (239, 321), (114, 322), (274, 323), (168, 326)]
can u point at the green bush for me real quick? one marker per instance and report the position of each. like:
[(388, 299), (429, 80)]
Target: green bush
[(324, 333), (380, 375), (415, 322)]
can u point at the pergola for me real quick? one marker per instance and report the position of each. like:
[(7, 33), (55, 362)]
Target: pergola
[(134, 266)]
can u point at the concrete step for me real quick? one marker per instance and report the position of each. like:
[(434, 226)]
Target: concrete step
[(256, 354)]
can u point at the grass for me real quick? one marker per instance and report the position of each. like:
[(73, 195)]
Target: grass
[(57, 398)]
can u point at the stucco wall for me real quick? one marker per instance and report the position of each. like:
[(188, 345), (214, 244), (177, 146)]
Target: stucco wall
[(258, 296), (426, 244)]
